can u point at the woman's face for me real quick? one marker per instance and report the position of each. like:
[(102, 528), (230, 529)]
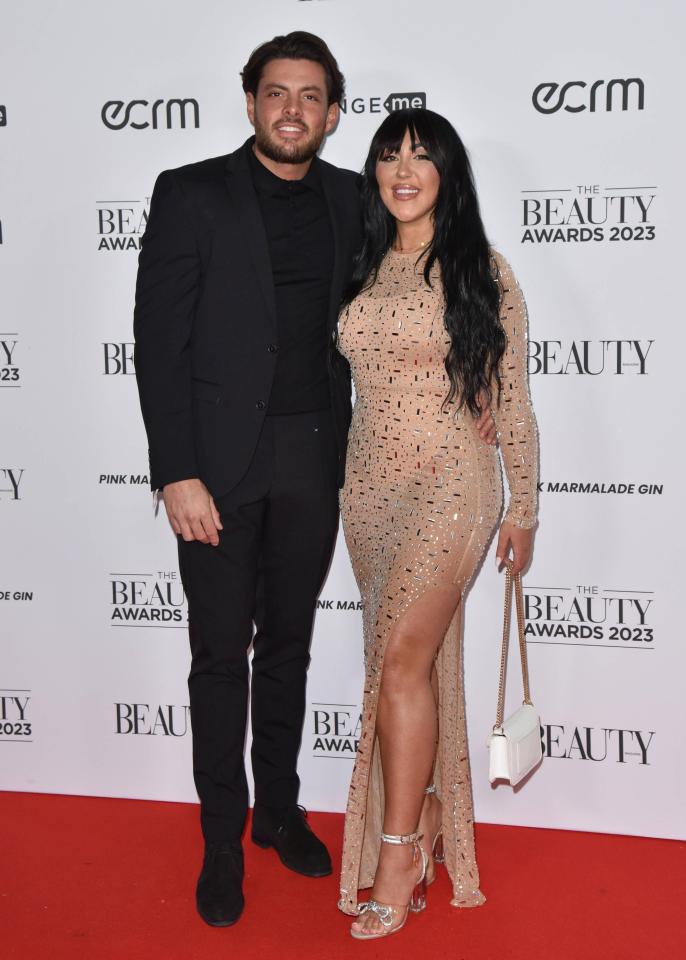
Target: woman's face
[(408, 183)]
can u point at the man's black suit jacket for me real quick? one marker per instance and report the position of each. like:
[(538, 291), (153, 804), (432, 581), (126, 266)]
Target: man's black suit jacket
[(205, 321)]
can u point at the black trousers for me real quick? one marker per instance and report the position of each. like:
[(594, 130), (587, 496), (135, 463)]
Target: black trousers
[(279, 530)]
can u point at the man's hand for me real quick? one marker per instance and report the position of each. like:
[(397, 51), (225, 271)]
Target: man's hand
[(191, 511), (520, 540), (485, 425)]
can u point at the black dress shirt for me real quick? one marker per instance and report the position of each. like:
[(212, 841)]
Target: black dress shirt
[(300, 241)]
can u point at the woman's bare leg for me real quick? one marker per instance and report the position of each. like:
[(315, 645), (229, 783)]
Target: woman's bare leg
[(407, 731)]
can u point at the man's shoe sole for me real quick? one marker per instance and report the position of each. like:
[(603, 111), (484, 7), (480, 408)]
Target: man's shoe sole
[(219, 923), (265, 844)]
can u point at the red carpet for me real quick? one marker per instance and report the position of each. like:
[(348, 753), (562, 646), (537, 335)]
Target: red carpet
[(100, 879)]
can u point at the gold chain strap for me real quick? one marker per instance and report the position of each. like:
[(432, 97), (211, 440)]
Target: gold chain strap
[(510, 582)]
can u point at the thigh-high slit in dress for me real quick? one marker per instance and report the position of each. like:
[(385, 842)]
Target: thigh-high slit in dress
[(422, 496)]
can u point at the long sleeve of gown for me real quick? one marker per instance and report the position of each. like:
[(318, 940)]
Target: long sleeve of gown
[(514, 416)]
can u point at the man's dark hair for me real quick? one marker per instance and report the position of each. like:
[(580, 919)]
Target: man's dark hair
[(298, 45)]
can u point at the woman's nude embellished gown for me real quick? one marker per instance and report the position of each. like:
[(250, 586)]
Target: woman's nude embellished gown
[(422, 496)]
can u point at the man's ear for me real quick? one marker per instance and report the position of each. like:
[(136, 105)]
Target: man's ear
[(250, 107), (332, 117)]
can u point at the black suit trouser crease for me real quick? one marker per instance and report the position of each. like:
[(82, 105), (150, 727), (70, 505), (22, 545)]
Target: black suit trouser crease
[(279, 528)]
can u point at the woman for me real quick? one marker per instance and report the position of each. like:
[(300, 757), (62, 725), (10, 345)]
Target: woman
[(434, 321)]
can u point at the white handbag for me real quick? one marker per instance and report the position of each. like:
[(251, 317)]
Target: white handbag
[(515, 747)]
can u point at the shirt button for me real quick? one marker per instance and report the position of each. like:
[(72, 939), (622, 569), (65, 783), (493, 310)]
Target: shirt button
[(260, 404), (272, 347)]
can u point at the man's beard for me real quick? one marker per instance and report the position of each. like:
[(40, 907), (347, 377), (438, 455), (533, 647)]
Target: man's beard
[(287, 152)]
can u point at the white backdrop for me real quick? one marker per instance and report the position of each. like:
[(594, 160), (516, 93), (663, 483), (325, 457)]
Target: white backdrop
[(580, 181)]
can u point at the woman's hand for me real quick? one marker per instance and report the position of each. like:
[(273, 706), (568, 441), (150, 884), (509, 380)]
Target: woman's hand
[(485, 424), (517, 538), (486, 428)]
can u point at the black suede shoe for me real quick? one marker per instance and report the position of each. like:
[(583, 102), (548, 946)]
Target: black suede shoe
[(290, 835), (219, 894)]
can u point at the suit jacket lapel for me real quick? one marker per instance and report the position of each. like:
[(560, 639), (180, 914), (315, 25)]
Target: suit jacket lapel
[(337, 216), (244, 198)]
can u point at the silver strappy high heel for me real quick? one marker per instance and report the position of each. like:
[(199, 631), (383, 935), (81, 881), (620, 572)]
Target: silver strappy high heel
[(392, 916)]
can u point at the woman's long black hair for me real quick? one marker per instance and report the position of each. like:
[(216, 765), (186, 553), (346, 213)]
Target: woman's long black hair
[(459, 246)]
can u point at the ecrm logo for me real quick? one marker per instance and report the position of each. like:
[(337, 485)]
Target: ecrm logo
[(551, 97), (116, 114)]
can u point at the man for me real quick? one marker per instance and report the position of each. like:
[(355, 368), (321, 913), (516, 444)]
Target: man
[(247, 405)]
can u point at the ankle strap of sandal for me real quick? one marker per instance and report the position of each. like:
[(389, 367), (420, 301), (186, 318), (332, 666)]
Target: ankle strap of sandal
[(401, 839)]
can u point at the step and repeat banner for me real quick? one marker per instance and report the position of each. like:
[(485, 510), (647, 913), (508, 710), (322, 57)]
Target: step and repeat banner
[(571, 118)]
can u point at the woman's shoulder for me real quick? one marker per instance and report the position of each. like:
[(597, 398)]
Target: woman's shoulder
[(500, 267)]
